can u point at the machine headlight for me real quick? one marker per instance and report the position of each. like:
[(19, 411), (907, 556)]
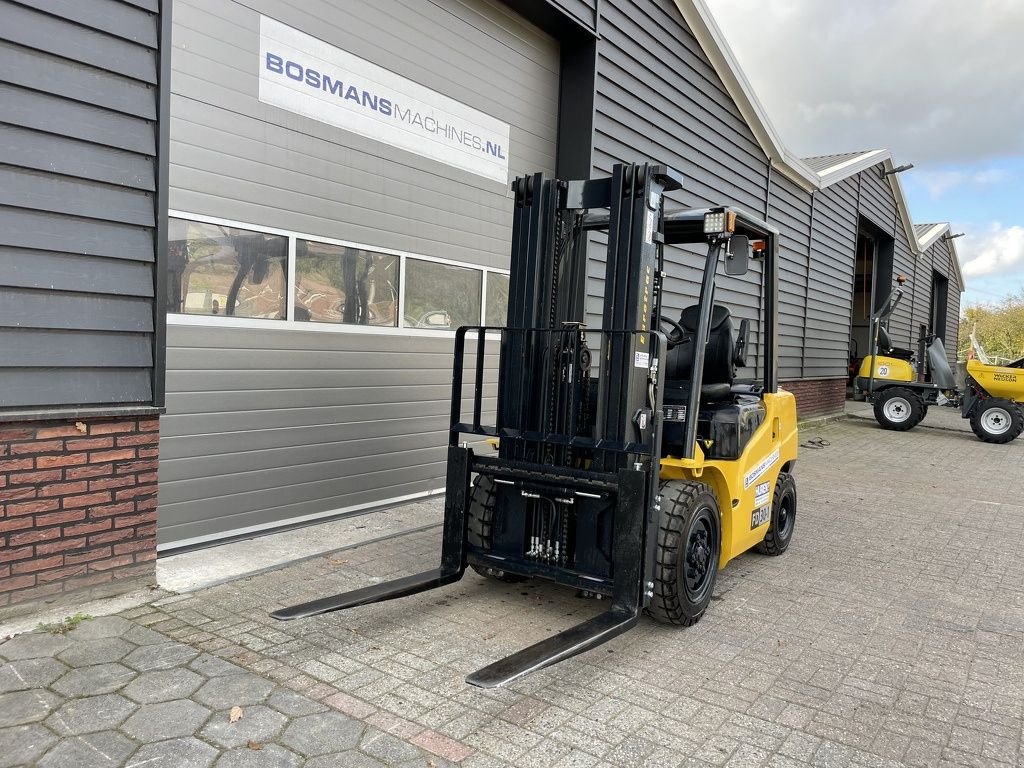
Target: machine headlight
[(718, 222)]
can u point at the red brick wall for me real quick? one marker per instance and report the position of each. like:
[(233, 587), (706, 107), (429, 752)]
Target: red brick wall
[(77, 505), (817, 397)]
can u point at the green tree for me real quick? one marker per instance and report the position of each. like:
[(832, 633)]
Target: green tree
[(999, 328)]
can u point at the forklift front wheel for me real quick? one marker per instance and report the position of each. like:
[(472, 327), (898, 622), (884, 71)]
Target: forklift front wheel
[(689, 545), (899, 409), (480, 526)]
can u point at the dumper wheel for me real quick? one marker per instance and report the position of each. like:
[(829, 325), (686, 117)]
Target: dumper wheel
[(997, 420), (898, 408), (480, 526), (783, 519), (689, 545)]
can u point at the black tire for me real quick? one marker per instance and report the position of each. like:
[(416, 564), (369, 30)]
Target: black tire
[(689, 545), (480, 526), (899, 409), (997, 420), (783, 520)]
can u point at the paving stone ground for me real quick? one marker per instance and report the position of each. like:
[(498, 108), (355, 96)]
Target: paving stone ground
[(891, 633)]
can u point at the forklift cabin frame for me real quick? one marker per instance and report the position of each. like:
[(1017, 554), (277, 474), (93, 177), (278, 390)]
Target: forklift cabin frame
[(593, 472)]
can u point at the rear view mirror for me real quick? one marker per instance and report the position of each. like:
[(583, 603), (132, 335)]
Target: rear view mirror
[(737, 259)]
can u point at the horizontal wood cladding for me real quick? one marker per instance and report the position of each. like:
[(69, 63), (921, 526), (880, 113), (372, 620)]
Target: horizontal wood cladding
[(78, 177)]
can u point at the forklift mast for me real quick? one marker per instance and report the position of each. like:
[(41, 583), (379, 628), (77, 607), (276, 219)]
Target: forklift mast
[(577, 411)]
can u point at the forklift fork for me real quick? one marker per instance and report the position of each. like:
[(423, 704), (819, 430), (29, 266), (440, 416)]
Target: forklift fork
[(627, 601), (627, 596), (453, 554)]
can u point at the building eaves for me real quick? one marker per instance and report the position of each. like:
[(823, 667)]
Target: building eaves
[(702, 24), (849, 164), (929, 234)]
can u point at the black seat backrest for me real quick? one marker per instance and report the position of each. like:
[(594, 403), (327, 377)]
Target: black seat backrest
[(720, 353)]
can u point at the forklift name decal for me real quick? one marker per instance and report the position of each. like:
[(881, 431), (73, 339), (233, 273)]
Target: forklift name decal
[(307, 76), (751, 477)]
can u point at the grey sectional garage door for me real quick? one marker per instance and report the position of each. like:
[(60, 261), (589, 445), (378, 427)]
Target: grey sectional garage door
[(280, 424)]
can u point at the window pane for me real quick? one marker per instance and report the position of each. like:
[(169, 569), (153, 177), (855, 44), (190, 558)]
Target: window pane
[(441, 296), (218, 270), (335, 284), (497, 299)]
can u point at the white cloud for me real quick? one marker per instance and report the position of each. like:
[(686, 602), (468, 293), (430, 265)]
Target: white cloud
[(994, 252), (939, 183), (932, 81)]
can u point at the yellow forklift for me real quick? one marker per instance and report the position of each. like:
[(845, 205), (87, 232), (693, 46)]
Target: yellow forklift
[(901, 389), (632, 463)]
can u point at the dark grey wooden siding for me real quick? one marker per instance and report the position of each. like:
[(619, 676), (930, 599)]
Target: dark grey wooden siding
[(658, 98), (79, 85), (941, 258), (268, 426), (790, 211)]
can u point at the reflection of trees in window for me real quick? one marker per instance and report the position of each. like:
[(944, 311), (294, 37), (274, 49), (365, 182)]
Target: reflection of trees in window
[(214, 269), (336, 284), (440, 295), (497, 299)]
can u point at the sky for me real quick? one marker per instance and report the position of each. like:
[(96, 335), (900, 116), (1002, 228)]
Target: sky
[(939, 83)]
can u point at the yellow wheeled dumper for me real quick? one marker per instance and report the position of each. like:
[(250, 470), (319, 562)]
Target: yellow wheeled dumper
[(631, 463), (991, 399)]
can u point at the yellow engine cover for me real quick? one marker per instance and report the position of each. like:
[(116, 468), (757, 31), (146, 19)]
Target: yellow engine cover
[(887, 369), (997, 380), (744, 487)]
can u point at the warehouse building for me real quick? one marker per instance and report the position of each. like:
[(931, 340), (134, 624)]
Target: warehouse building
[(338, 202)]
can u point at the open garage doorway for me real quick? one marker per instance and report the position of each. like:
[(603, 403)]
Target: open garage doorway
[(872, 283)]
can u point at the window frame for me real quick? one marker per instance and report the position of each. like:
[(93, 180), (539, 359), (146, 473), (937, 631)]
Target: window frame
[(289, 323)]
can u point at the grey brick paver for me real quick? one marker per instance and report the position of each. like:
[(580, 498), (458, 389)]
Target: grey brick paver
[(30, 673), (174, 753), (166, 720), (21, 707), (163, 685), (259, 724), (22, 744), (95, 750), (312, 735), (96, 713)]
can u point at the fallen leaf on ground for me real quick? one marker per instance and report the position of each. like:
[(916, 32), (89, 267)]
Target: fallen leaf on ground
[(336, 561), (254, 745), (235, 715)]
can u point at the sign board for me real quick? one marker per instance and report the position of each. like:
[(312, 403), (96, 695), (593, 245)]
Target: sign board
[(307, 76)]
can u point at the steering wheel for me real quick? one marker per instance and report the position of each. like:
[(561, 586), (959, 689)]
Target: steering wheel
[(678, 335)]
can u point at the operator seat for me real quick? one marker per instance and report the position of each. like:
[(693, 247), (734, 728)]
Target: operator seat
[(728, 415), (721, 356), (886, 348)]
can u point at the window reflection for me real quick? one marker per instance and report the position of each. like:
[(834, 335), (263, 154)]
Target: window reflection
[(337, 284), (497, 299), (219, 270), (441, 296)]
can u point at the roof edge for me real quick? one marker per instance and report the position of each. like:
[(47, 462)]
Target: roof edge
[(852, 166), (938, 231), (702, 24)]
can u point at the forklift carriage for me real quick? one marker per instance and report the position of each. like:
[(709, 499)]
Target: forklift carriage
[(630, 463)]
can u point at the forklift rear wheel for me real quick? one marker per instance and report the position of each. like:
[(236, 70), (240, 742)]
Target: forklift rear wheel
[(997, 421), (780, 531), (689, 545), (480, 526), (899, 409)]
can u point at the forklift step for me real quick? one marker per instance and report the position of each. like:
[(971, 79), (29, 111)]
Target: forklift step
[(570, 642), (376, 593)]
